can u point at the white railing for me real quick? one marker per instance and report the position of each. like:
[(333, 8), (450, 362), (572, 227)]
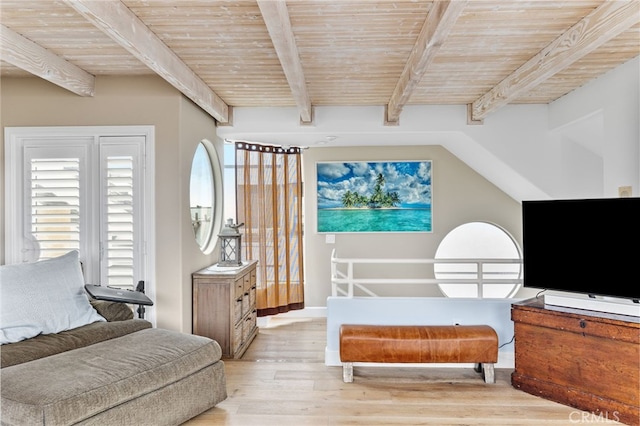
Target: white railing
[(344, 281)]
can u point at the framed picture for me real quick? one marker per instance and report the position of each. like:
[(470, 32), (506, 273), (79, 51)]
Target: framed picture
[(382, 196)]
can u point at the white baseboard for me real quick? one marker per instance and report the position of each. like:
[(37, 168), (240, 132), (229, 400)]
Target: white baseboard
[(312, 312)]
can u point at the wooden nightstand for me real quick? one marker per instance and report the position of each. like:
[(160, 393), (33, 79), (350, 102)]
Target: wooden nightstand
[(224, 306)]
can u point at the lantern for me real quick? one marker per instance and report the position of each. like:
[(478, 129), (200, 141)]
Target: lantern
[(230, 245)]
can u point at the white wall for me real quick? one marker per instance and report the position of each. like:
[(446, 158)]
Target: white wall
[(529, 151), (508, 136), (583, 145), (603, 117)]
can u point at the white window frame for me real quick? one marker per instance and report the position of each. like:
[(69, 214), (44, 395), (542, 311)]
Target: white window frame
[(15, 190)]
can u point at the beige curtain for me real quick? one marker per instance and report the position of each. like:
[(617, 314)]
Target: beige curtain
[(269, 203)]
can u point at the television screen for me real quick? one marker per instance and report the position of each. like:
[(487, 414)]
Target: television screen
[(589, 246)]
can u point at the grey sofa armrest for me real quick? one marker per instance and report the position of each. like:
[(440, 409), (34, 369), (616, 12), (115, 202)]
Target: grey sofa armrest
[(112, 311)]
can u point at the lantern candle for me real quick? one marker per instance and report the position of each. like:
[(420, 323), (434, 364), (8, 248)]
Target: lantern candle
[(230, 245)]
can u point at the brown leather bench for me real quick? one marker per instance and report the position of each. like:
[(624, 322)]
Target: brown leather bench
[(476, 344)]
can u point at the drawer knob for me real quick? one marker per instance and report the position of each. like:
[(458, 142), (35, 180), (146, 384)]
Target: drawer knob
[(583, 324)]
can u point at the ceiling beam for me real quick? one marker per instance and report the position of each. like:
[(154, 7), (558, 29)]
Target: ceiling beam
[(435, 30), (604, 23), (276, 17), (125, 28), (35, 59)]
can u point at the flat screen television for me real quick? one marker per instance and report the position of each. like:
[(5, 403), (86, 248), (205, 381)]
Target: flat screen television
[(588, 246)]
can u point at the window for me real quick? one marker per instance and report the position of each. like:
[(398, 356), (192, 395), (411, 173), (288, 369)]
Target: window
[(82, 189), (479, 241), (230, 181), (205, 197)]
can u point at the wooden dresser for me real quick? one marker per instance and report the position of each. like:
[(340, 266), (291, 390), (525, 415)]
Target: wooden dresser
[(224, 306), (585, 359)]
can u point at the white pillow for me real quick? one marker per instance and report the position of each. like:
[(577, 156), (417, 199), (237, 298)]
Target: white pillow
[(42, 298)]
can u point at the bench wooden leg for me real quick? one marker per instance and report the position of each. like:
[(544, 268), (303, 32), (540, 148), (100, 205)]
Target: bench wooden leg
[(488, 372), (347, 372)]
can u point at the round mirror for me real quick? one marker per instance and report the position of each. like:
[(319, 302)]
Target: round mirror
[(203, 195)]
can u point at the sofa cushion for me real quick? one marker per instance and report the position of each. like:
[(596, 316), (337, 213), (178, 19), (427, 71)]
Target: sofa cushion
[(43, 297), (51, 344), (74, 386)]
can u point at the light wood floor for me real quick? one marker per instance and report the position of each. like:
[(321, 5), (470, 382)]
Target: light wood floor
[(282, 380)]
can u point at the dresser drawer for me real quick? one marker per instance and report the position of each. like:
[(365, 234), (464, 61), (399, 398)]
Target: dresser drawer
[(246, 306), (237, 310), (239, 287), (248, 325), (246, 283), (237, 336), (252, 297)]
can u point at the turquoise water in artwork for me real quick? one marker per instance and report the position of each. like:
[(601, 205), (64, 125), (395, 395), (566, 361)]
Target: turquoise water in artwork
[(374, 220)]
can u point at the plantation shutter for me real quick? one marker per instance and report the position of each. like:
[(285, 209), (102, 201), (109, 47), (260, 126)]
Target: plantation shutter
[(121, 212), (54, 218)]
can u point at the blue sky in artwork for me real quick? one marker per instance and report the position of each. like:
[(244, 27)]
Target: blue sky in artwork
[(410, 179)]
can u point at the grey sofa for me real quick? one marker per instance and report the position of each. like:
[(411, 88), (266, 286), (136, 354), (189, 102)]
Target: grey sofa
[(115, 370)]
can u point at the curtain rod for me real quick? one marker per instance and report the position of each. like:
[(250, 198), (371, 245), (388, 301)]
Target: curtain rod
[(285, 147)]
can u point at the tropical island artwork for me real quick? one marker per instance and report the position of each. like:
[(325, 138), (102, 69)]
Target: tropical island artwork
[(390, 196)]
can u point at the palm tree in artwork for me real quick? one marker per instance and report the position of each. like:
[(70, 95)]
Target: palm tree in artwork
[(349, 199), (378, 199), (361, 200), (392, 199)]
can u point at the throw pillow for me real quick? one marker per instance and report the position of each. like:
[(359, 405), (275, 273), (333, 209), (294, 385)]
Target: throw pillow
[(42, 298)]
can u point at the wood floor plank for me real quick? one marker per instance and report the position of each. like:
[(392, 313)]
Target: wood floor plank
[(282, 380)]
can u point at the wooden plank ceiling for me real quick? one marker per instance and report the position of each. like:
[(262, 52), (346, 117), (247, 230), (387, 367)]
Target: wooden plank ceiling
[(305, 53)]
